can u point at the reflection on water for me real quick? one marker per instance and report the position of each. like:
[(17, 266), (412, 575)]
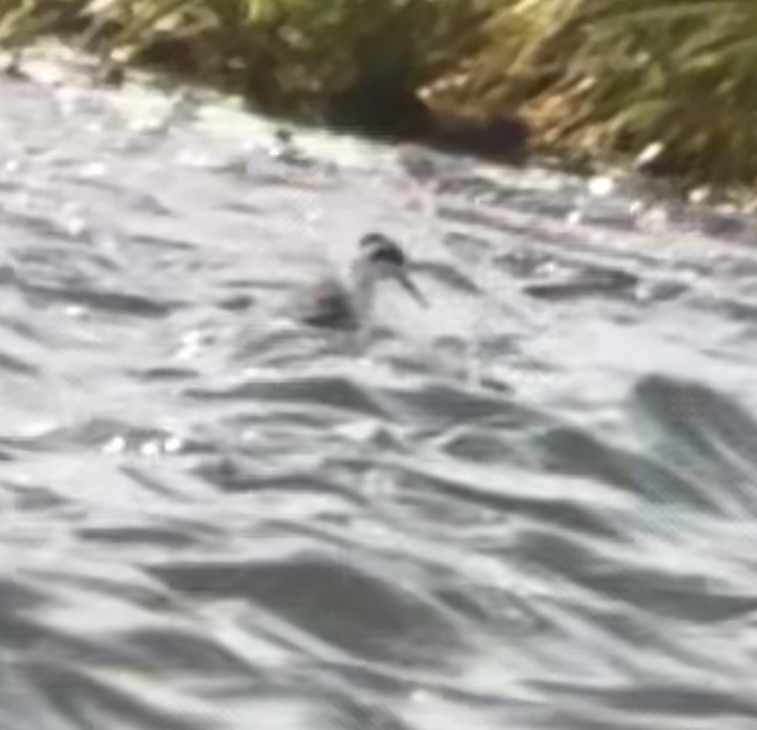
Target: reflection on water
[(528, 506)]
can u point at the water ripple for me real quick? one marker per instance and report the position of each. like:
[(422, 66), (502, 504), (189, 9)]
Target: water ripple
[(528, 505)]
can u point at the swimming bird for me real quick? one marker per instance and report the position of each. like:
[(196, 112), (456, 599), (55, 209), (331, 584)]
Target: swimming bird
[(337, 304)]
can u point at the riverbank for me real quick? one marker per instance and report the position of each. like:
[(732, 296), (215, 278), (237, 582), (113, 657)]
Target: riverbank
[(669, 84)]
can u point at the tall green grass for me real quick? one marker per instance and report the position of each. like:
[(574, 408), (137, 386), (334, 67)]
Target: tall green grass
[(615, 75), (288, 55), (604, 76)]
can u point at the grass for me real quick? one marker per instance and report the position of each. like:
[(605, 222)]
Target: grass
[(614, 76), (289, 56), (604, 77)]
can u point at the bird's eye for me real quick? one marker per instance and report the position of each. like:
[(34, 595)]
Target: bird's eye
[(389, 254), (380, 248)]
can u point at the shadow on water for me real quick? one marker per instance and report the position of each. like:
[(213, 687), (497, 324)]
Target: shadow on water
[(529, 505)]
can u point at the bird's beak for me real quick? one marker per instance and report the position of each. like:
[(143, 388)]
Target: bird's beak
[(409, 286)]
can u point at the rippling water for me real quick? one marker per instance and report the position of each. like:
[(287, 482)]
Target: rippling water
[(529, 506)]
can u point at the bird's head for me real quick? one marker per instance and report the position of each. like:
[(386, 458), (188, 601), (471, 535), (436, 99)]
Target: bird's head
[(381, 258)]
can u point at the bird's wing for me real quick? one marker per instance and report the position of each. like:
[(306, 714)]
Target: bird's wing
[(327, 304)]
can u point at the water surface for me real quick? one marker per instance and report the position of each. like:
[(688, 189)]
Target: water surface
[(529, 506)]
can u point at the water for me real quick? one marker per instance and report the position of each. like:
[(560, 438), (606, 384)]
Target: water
[(529, 506)]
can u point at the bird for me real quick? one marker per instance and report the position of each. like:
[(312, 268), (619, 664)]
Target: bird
[(345, 305)]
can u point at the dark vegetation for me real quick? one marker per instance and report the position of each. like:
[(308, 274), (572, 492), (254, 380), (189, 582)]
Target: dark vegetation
[(602, 79)]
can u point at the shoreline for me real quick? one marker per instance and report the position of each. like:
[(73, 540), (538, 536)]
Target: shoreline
[(500, 81)]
